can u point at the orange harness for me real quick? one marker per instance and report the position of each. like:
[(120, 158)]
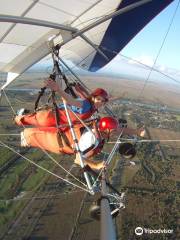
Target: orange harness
[(46, 118)]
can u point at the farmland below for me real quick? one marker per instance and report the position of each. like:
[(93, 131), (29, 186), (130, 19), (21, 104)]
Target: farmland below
[(36, 205)]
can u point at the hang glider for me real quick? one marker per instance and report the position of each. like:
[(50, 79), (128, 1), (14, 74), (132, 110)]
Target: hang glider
[(90, 33)]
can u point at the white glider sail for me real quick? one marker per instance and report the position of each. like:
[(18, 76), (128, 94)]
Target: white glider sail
[(28, 30)]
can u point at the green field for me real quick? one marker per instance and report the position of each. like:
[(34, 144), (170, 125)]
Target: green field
[(22, 179)]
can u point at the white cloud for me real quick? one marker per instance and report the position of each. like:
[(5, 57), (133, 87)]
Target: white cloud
[(144, 59), (161, 68)]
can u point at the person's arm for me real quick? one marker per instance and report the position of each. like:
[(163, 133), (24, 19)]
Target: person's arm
[(92, 164), (130, 131), (81, 91), (54, 87), (95, 130)]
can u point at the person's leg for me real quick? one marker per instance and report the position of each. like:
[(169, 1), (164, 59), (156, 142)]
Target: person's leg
[(23, 141), (45, 140), (42, 118)]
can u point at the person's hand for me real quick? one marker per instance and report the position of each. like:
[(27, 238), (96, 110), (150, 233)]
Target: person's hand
[(51, 84), (141, 132), (78, 87)]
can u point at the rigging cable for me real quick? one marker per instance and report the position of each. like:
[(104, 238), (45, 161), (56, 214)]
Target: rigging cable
[(42, 168), (9, 102), (143, 64), (39, 196), (151, 68), (163, 42), (107, 162), (146, 140)]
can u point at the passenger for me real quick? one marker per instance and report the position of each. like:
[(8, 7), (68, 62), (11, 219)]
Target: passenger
[(90, 142), (84, 107)]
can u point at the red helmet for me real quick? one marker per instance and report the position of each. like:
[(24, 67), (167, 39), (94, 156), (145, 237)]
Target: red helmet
[(100, 92), (109, 123)]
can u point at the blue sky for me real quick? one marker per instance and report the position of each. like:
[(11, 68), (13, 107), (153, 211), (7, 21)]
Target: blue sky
[(146, 45), (149, 40)]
